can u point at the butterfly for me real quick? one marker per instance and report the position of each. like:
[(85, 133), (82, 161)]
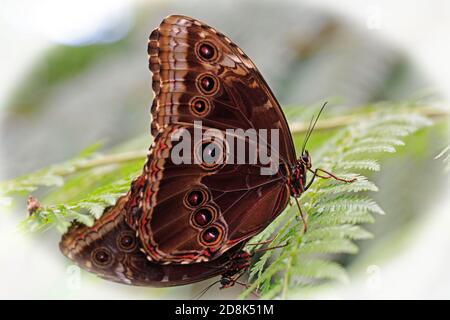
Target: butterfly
[(182, 223), (111, 250)]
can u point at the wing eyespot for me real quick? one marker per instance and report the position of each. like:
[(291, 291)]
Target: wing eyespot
[(207, 51), (204, 216), (102, 257), (200, 106), (126, 241), (207, 84), (211, 236), (196, 198), (210, 155)]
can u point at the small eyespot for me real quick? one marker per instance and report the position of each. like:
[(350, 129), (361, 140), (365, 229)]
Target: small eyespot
[(204, 216), (211, 236), (211, 152), (102, 257), (207, 84), (195, 198), (210, 155), (207, 51), (127, 241), (200, 106)]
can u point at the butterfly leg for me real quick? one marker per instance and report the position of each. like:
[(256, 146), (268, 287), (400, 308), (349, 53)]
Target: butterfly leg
[(302, 216), (239, 263), (328, 176)]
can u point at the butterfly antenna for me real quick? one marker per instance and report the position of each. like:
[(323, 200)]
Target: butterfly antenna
[(202, 293), (261, 242), (311, 127), (307, 134), (271, 248)]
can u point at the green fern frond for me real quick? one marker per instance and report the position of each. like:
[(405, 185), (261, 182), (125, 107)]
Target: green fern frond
[(339, 218), (105, 178), (365, 164), (321, 269), (348, 203), (334, 209), (85, 211), (343, 231), (337, 187)]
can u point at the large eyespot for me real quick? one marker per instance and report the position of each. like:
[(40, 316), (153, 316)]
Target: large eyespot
[(207, 51), (126, 241), (102, 257), (209, 154), (211, 236), (196, 198), (204, 216), (207, 84), (199, 106)]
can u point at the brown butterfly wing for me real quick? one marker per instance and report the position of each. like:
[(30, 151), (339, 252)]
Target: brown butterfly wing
[(111, 250), (241, 201), (241, 99)]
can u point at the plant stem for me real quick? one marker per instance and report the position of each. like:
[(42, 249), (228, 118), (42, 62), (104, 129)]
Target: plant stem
[(342, 121), (111, 159), (69, 168)]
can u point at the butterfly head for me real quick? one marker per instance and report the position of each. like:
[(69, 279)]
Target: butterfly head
[(297, 179), (305, 160)]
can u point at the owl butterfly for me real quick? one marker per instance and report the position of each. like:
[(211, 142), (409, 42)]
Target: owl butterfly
[(184, 222)]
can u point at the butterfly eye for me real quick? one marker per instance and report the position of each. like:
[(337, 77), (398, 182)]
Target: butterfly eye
[(211, 236), (195, 198), (126, 241), (207, 51), (204, 216), (200, 106), (102, 257), (207, 84)]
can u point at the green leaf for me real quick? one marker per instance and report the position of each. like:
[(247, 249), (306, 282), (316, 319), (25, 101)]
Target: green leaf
[(321, 269), (343, 231), (334, 209), (328, 246)]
